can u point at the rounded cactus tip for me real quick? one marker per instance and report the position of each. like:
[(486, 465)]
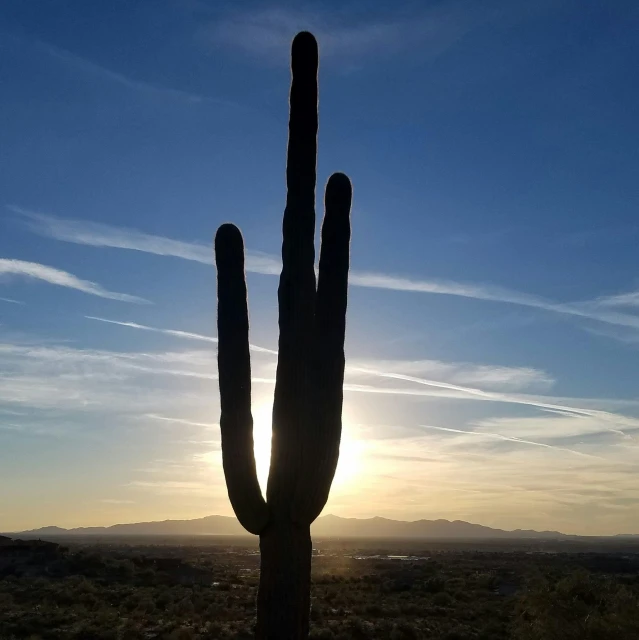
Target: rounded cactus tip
[(304, 38), (304, 47), (340, 180), (228, 239), (339, 184)]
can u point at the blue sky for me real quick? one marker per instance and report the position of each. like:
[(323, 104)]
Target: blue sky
[(493, 314)]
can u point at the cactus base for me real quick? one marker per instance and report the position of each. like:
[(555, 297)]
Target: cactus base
[(284, 596)]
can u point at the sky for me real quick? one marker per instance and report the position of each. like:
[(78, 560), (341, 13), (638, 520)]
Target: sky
[(493, 324)]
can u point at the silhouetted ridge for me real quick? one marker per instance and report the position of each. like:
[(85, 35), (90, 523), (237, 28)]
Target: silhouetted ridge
[(326, 526)]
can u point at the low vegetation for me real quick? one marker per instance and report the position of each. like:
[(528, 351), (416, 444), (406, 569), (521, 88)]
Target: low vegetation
[(129, 590)]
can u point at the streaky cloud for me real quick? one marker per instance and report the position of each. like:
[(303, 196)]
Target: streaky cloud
[(630, 299), (499, 436), (11, 301), (34, 270), (97, 234), (506, 376), (91, 68), (437, 388), (463, 373), (102, 235), (45, 377), (182, 421), (556, 425), (266, 33), (491, 293), (540, 402), (174, 332), (186, 486)]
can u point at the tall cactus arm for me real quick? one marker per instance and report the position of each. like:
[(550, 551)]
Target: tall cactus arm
[(296, 291), (236, 421), (321, 452)]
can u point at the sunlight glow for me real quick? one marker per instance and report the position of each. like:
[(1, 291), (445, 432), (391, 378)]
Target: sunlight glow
[(350, 459), (262, 419)]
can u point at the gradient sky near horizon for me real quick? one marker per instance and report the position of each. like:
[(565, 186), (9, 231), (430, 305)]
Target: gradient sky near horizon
[(493, 327)]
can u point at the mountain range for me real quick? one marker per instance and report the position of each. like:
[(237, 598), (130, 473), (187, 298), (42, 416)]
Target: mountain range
[(324, 527)]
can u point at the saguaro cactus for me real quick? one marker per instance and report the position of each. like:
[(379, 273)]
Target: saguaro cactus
[(307, 411)]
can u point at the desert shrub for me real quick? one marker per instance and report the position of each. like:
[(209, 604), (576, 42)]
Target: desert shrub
[(404, 631), (321, 634), (578, 607), (442, 599)]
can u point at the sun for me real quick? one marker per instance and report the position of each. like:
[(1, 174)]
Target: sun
[(350, 457)]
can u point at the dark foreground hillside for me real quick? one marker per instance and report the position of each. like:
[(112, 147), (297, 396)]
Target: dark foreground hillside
[(188, 589)]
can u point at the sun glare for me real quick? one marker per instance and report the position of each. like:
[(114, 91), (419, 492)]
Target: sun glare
[(262, 419), (350, 456)]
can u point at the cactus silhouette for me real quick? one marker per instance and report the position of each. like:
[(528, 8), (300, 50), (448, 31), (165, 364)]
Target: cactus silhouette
[(307, 409)]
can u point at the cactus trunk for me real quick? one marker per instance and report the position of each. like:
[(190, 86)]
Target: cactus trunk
[(307, 411), (284, 595)]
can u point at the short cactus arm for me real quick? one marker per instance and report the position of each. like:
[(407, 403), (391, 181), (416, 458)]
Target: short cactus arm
[(236, 421), (322, 450), (296, 291), (332, 283)]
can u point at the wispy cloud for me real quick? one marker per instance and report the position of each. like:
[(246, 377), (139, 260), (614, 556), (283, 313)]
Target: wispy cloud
[(556, 425), (586, 310), (486, 376), (93, 69), (630, 299), (182, 421), (96, 234), (451, 389), (170, 332), (177, 384), (512, 378), (268, 33), (614, 421), (620, 334), (36, 271), (499, 436), (101, 235), (11, 301), (172, 486), (32, 429), (174, 332), (60, 377)]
